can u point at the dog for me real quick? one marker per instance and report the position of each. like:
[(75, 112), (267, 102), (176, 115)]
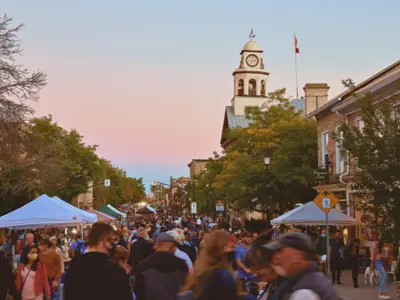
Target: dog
[(371, 275)]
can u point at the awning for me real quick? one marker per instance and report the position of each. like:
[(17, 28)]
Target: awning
[(105, 209), (311, 214), (146, 210), (101, 217)]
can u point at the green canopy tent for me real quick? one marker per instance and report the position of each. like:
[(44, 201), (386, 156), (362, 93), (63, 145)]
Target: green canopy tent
[(108, 211)]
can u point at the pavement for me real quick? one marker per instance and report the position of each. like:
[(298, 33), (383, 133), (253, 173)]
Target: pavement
[(365, 292)]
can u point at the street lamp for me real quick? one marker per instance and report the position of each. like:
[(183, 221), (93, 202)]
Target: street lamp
[(267, 159)]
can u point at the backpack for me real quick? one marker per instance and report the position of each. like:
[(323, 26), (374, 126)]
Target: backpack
[(78, 251)]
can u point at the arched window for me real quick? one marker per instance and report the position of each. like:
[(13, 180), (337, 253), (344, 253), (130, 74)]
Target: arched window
[(263, 88), (252, 87), (241, 87)]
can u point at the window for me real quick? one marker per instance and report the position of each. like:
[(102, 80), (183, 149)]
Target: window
[(252, 87), (263, 88), (241, 87), (360, 124), (324, 149), (339, 154)]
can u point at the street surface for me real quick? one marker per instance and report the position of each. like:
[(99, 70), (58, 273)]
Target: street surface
[(365, 292)]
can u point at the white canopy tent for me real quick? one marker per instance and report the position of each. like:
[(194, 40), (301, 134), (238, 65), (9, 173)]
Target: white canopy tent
[(311, 214), (41, 213), (86, 217)]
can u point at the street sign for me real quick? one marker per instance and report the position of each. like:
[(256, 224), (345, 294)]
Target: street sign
[(107, 182), (219, 205), (326, 201), (321, 174), (193, 207)]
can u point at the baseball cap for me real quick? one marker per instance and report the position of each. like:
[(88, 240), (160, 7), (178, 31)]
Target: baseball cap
[(165, 237), (295, 240), (177, 236)]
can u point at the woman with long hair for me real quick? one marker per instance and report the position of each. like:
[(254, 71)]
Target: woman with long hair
[(211, 279), (31, 280)]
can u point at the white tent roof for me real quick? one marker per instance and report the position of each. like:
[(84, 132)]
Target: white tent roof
[(40, 213), (311, 214), (84, 216), (117, 211)]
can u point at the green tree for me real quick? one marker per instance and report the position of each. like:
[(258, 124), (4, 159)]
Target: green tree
[(74, 163), (375, 151), (18, 89), (292, 141)]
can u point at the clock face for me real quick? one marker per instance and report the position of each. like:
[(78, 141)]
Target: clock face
[(252, 60)]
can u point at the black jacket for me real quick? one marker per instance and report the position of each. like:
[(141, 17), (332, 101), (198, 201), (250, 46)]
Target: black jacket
[(160, 277), (140, 250), (6, 277), (93, 276)]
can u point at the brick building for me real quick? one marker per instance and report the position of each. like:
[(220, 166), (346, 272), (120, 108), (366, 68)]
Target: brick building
[(341, 170)]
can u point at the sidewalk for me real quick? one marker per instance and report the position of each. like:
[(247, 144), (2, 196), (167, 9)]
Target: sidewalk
[(365, 292)]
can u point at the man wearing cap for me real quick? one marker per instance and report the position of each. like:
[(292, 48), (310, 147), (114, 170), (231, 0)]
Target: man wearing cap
[(294, 259), (140, 249), (162, 274)]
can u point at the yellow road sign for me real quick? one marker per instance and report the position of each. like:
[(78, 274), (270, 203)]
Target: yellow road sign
[(326, 201)]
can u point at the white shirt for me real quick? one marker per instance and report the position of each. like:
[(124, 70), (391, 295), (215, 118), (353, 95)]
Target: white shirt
[(182, 255), (304, 295)]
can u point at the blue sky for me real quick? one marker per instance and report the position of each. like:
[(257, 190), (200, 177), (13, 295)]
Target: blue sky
[(148, 80)]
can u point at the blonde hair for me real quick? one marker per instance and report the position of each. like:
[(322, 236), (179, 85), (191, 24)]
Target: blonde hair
[(212, 256)]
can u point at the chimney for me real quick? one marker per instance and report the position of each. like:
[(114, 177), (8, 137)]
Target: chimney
[(316, 95)]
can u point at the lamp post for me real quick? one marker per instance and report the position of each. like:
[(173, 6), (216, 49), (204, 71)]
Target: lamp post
[(267, 160)]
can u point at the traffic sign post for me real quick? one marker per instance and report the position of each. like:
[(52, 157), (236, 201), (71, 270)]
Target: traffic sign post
[(326, 201), (193, 208)]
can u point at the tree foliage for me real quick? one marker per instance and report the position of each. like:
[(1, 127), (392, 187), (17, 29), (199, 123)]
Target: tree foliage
[(240, 177), (375, 151)]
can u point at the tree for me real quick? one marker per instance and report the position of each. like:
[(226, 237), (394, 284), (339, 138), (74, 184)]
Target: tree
[(375, 151), (18, 87), (292, 141), (123, 189)]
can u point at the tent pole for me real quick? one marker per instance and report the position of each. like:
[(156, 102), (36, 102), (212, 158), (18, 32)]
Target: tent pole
[(82, 230)]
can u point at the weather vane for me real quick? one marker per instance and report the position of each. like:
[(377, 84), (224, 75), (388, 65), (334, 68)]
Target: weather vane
[(252, 35)]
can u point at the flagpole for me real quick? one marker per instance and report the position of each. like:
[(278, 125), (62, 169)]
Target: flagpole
[(295, 69)]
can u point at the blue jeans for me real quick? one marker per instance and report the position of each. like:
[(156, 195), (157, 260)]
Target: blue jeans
[(382, 272)]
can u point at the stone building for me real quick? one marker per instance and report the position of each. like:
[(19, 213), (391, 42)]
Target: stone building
[(340, 169), (197, 166)]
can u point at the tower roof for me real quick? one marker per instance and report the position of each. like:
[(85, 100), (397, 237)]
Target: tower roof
[(251, 46)]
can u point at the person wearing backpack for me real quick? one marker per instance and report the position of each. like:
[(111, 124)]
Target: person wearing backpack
[(79, 246)]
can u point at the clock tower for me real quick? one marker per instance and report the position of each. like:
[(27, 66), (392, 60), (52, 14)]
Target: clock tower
[(250, 79)]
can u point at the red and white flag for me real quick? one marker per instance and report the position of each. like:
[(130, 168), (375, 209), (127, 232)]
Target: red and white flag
[(296, 45)]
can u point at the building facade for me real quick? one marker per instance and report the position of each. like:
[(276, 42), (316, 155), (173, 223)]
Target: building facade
[(197, 166), (340, 168)]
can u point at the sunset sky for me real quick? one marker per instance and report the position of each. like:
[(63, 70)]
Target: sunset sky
[(148, 80)]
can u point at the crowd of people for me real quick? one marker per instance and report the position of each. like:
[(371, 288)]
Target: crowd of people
[(177, 258)]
